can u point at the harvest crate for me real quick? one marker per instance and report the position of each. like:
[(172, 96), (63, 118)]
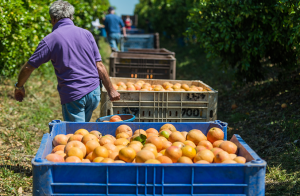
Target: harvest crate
[(140, 179), (160, 51), (163, 106), (140, 41), (150, 66)]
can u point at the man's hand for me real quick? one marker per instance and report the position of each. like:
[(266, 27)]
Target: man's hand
[(19, 94), (114, 95), (25, 72)]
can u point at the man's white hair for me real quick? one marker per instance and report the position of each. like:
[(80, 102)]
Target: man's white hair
[(61, 9)]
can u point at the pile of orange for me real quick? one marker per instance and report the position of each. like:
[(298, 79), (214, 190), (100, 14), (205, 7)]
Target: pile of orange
[(166, 145), (166, 86)]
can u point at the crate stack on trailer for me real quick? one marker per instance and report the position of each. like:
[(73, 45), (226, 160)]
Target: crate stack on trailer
[(193, 106)]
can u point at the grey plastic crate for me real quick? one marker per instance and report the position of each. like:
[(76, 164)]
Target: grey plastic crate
[(149, 66)]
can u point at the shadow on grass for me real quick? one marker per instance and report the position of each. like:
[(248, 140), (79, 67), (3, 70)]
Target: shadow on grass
[(271, 130), (18, 169)]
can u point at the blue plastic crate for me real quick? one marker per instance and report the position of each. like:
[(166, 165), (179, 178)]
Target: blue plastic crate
[(137, 41), (146, 179)]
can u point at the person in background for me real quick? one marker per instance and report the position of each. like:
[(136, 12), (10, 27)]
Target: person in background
[(77, 64), (112, 25), (128, 22)]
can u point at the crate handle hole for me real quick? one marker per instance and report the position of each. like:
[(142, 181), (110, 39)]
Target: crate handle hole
[(108, 112), (211, 113), (170, 113), (143, 113), (176, 113), (149, 113), (171, 71)]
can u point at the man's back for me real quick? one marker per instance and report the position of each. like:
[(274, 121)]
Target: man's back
[(73, 53), (112, 23)]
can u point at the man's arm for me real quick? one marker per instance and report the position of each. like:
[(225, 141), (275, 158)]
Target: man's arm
[(25, 73), (121, 23), (112, 93), (124, 31)]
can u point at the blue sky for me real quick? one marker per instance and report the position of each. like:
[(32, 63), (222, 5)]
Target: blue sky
[(124, 7)]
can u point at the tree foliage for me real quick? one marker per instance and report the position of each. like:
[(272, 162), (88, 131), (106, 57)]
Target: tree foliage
[(252, 35), (168, 16), (24, 23)]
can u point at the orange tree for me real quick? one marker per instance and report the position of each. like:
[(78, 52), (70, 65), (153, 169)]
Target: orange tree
[(24, 23), (168, 16), (255, 37)]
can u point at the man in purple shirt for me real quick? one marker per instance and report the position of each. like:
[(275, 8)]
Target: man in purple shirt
[(77, 63)]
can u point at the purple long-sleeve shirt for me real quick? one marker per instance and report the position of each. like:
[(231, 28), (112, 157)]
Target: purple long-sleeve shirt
[(73, 53)]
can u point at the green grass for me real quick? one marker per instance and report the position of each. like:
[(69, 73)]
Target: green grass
[(22, 125)]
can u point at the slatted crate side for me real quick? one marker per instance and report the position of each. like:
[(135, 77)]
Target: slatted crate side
[(123, 64), (159, 51), (164, 106)]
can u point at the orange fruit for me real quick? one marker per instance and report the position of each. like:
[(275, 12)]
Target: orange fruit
[(122, 142), (164, 159), (188, 151), (82, 132), (190, 143), (176, 136), (156, 141), (240, 159), (75, 152), (100, 151), (88, 137), (217, 143), (174, 153), (127, 154), (206, 155), (215, 134), (195, 136), (206, 144), (168, 126), (124, 128), (229, 147), (153, 161), (184, 159), (144, 155), (221, 156), (97, 159)]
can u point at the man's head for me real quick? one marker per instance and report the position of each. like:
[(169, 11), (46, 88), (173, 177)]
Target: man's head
[(61, 9), (111, 10)]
